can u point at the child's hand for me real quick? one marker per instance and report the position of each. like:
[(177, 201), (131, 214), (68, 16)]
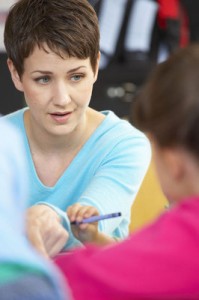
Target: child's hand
[(83, 232)]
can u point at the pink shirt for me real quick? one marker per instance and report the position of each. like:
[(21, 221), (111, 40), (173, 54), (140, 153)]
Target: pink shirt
[(159, 262)]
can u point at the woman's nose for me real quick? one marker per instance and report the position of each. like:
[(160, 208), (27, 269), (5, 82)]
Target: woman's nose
[(61, 94)]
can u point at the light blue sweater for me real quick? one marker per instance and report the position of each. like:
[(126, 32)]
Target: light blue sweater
[(18, 259), (106, 173)]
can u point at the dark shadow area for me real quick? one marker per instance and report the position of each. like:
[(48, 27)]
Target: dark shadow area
[(11, 99)]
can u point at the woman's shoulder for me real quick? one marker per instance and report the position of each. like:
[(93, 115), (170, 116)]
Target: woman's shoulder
[(121, 126), (16, 116), (114, 130)]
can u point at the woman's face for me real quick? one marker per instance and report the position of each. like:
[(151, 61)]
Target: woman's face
[(56, 90)]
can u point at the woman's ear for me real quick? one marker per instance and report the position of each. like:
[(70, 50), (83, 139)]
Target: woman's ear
[(15, 76), (97, 66)]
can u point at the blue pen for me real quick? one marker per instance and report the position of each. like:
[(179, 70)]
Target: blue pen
[(97, 218)]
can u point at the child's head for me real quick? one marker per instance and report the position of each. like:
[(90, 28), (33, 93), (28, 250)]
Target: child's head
[(168, 106), (67, 27), (167, 110)]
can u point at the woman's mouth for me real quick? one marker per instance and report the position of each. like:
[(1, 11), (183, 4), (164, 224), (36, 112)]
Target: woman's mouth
[(60, 118)]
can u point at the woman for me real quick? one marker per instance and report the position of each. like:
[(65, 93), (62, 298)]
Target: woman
[(75, 154)]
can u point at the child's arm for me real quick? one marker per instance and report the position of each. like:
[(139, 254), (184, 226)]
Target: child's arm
[(87, 232)]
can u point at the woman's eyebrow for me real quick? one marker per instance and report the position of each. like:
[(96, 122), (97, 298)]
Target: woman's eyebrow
[(75, 69), (41, 71), (49, 72)]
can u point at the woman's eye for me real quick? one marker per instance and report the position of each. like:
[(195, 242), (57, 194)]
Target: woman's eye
[(76, 77), (43, 79)]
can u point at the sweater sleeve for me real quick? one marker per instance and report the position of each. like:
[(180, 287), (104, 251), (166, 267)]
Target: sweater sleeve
[(116, 183)]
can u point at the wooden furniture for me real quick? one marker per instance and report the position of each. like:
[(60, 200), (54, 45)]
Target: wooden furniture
[(150, 201)]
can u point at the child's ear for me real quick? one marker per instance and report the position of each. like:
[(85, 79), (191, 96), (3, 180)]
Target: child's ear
[(174, 162), (15, 76), (97, 66), (170, 159)]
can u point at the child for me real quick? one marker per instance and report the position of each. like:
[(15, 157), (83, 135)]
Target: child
[(161, 260), (23, 273)]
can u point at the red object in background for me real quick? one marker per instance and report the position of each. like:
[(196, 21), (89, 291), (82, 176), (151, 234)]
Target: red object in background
[(168, 9), (173, 10), (185, 29)]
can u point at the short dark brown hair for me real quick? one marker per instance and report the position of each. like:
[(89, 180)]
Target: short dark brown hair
[(66, 26), (168, 105)]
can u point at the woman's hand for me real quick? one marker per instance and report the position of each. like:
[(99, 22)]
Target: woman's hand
[(45, 230), (87, 232)]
